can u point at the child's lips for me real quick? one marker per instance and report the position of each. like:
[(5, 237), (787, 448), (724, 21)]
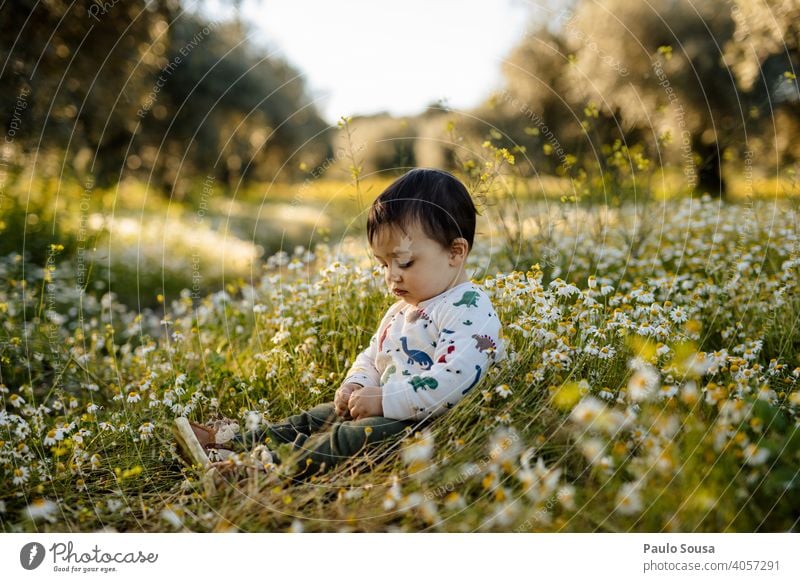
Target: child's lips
[(399, 292)]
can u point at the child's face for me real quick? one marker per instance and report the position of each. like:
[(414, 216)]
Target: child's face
[(415, 266)]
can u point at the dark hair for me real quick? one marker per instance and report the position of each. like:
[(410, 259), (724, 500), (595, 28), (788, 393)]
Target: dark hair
[(435, 198)]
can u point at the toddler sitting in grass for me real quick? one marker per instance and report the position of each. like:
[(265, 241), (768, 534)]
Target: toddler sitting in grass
[(430, 349)]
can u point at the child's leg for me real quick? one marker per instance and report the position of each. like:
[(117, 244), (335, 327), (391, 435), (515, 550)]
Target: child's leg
[(287, 431), (346, 439)]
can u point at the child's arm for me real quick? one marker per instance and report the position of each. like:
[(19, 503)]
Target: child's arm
[(363, 370), (469, 342)]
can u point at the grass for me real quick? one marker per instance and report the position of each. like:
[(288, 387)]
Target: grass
[(652, 373)]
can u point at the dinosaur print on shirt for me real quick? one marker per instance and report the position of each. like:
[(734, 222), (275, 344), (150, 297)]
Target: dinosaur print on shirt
[(386, 373), (470, 299), (443, 358), (423, 383), (383, 337), (417, 314), (475, 381), (423, 356), (416, 356), (484, 342)]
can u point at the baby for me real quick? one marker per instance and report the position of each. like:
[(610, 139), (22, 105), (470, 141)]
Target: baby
[(430, 349)]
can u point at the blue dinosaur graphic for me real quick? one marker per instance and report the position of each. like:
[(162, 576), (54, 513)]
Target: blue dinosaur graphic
[(475, 381), (416, 356)]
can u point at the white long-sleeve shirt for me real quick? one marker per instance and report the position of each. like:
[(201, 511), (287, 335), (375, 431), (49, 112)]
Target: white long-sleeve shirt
[(427, 357)]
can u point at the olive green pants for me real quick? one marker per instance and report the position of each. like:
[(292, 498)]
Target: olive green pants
[(321, 439)]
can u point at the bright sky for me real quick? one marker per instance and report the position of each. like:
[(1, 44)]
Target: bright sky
[(365, 56)]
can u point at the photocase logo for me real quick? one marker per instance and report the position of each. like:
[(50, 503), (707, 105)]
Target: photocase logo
[(31, 555)]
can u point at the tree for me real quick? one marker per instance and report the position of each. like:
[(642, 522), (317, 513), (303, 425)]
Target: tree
[(764, 55), (701, 76), (81, 70), (150, 89), (676, 80), (541, 110), (226, 109)]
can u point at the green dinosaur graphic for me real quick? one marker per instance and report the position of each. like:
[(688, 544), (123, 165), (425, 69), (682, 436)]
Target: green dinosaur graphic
[(470, 299), (424, 383)]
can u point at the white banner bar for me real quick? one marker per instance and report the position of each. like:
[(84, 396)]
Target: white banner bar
[(406, 557)]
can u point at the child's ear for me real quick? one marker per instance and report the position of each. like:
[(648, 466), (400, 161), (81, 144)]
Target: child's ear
[(459, 249)]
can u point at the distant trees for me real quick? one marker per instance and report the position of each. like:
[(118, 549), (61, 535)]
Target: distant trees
[(85, 74), (149, 89), (692, 80), (764, 55), (146, 88)]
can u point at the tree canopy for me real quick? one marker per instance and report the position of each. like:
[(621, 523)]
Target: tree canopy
[(150, 89)]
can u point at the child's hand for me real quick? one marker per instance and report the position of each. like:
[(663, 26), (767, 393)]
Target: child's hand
[(366, 402), (341, 400)]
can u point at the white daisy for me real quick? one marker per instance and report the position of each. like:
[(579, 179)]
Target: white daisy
[(16, 400), (146, 430), (629, 500), (754, 455), (503, 390), (419, 450), (21, 475), (678, 315), (42, 509), (643, 384)]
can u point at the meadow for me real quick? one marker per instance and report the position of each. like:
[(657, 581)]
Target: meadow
[(651, 383)]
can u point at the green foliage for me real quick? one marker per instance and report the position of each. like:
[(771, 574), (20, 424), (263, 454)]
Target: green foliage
[(615, 411), (148, 89)]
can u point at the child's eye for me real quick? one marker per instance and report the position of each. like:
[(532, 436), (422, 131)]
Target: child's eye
[(405, 266)]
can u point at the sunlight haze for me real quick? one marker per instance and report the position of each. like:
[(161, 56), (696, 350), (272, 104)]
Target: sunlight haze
[(362, 57)]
